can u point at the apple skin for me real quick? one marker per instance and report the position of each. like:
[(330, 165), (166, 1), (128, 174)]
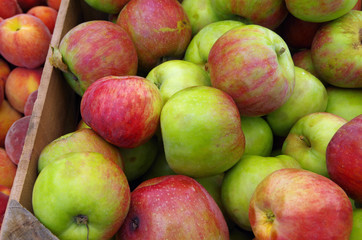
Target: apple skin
[(241, 181), (332, 43), (159, 167), (303, 59), (201, 132), (108, 107), (343, 157), (81, 185), (173, 207), (299, 204), (254, 66), (107, 6), (357, 225), (7, 169), (9, 8), (47, 14), (4, 198), (344, 102), (24, 40), (308, 139), (174, 75), (309, 96), (159, 28), (8, 115), (319, 11)]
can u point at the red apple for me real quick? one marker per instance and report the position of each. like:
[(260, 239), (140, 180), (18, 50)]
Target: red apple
[(298, 204), (344, 157), (9, 8), (47, 14), (24, 40), (4, 198), (29, 104), (7, 169), (54, 4), (27, 4), (357, 6), (8, 115)]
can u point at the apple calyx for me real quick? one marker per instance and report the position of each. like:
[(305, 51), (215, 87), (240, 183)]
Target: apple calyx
[(134, 223), (82, 220), (305, 140), (56, 60), (270, 217)]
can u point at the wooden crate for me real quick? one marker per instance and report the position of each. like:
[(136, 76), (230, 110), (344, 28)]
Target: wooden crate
[(55, 113)]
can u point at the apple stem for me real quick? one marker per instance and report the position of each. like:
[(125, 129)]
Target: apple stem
[(56, 60), (281, 51), (83, 219), (305, 140)]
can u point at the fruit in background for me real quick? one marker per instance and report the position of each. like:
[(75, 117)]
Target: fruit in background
[(254, 66), (299, 204), (107, 6), (201, 132), (1, 94), (53, 4), (4, 71), (309, 96), (344, 102), (24, 40), (8, 115), (15, 138), (9, 8), (358, 6), (308, 139), (319, 11), (332, 43), (174, 75), (241, 181), (344, 156), (82, 124), (357, 225), (20, 84), (83, 195), (83, 140), (173, 207), (7, 169), (27, 4), (29, 104), (108, 107), (159, 29), (92, 50), (303, 59), (159, 167), (46, 14), (199, 48), (4, 198), (258, 136), (239, 234)]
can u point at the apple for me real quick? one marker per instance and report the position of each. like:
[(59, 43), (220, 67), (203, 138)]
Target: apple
[(125, 111), (258, 136), (319, 11), (9, 8), (332, 43), (303, 59), (254, 66), (299, 204), (47, 14), (81, 196), (357, 225), (309, 96), (24, 40), (107, 6), (308, 139), (173, 207), (241, 181), (159, 167), (53, 4), (20, 84), (81, 124), (201, 132), (343, 158), (174, 75), (344, 102), (82, 140), (27, 4), (29, 104), (158, 28), (4, 198), (92, 50), (8, 115), (7, 169), (358, 5)]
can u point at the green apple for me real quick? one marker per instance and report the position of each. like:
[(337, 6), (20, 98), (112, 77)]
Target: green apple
[(309, 96), (201, 132), (159, 167), (357, 225), (173, 75), (308, 139), (81, 196), (344, 102), (241, 180), (258, 136)]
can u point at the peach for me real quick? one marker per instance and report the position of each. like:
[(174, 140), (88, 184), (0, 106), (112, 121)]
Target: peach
[(4, 198), (9, 8), (8, 115), (54, 4), (7, 169), (27, 4), (29, 105), (47, 14)]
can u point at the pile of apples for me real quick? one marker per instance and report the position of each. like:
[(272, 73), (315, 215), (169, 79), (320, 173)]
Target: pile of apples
[(209, 119)]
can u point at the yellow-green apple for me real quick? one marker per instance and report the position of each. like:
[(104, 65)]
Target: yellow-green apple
[(15, 138), (53, 4), (92, 50), (4, 198), (24, 40), (309, 96), (46, 14), (7, 169), (308, 139), (357, 225), (81, 196), (124, 110), (158, 28), (299, 204), (9, 8), (159, 167), (29, 104), (319, 11), (241, 181), (27, 4), (201, 131), (303, 59), (199, 48), (107, 6), (82, 140), (344, 156), (332, 43), (81, 124), (8, 115), (174, 75), (20, 84), (344, 102), (254, 66), (173, 207), (258, 136)]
